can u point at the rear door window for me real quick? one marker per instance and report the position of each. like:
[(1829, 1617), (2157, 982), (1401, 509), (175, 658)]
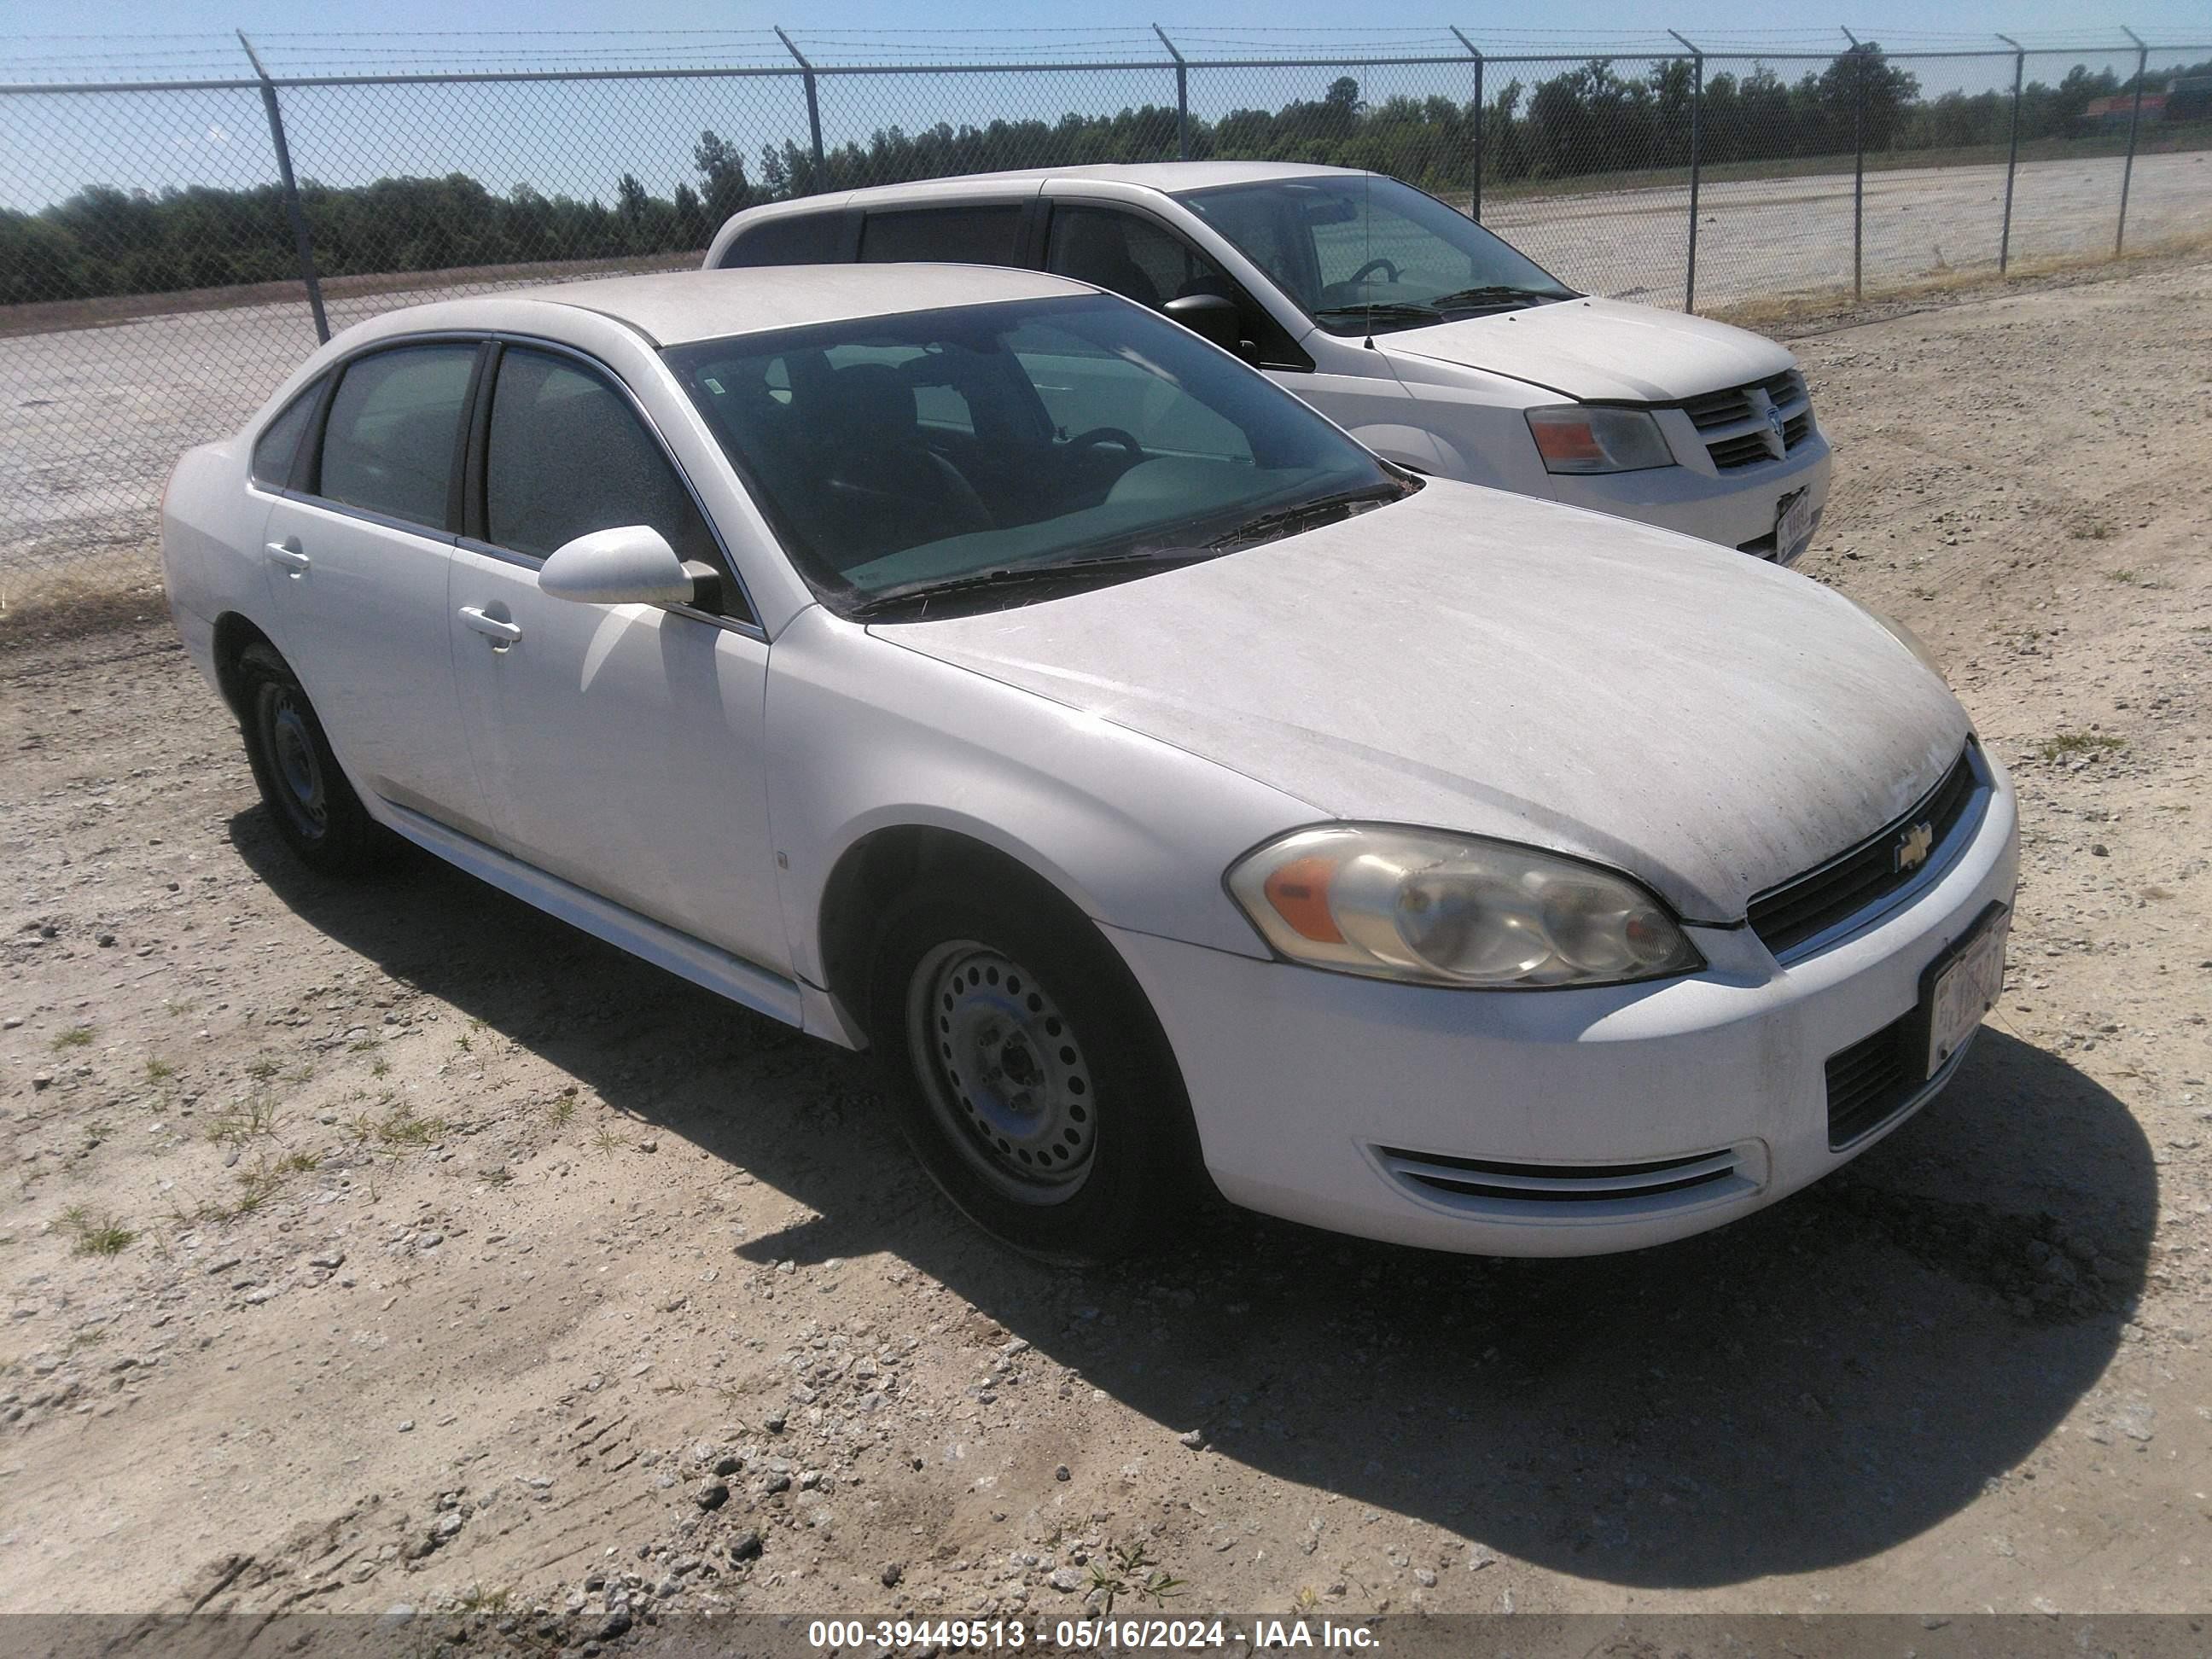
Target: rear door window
[(394, 431), (971, 236)]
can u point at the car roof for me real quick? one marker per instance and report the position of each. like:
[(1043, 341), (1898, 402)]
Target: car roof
[(675, 307), (1173, 178)]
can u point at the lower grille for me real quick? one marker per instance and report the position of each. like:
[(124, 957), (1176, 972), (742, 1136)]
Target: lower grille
[(1575, 1191), (1872, 1081), (1857, 880)]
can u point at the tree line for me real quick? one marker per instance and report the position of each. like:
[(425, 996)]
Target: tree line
[(1586, 120)]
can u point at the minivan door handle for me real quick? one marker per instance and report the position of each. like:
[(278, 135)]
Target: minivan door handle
[(293, 562), (501, 634)]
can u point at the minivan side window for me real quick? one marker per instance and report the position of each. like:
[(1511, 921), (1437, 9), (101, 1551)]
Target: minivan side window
[(394, 427), (795, 238), (278, 447), (956, 235), (1141, 260), (566, 454)]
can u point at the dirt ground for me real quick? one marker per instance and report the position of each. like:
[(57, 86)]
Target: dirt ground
[(393, 1244)]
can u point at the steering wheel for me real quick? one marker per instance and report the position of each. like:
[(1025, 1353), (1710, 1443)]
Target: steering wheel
[(1104, 434), (1361, 274)]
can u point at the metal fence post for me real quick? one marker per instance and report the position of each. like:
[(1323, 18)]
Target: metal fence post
[(813, 104), (1696, 120), (2012, 153), (303, 245), (1182, 95), (1858, 166), (1481, 121), (2135, 123)]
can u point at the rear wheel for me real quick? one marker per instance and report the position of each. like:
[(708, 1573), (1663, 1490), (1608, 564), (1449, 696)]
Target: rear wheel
[(314, 808), (1029, 1074)]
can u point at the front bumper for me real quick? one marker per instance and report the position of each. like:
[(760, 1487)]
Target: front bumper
[(1315, 1093), (1736, 508)]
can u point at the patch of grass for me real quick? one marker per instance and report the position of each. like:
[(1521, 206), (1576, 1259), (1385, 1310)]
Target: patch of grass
[(562, 1109), (463, 1043), (300, 1074), (255, 1117), (607, 1140), (78, 1036), (401, 1127), (159, 1072), (262, 1068), (104, 1235), (476, 1599), (2090, 529), (364, 1046), (2067, 744), (258, 1184), (1131, 1571), (299, 1162), (382, 1067), (176, 1007), (2125, 577)]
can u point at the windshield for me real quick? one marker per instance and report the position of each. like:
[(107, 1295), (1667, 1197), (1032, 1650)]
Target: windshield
[(1361, 253), (997, 448)]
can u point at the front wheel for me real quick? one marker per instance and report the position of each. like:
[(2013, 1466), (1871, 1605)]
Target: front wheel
[(1028, 1073)]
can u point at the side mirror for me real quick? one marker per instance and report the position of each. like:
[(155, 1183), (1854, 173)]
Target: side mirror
[(629, 564), (1212, 317)]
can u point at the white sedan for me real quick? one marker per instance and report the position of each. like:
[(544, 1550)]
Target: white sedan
[(974, 667)]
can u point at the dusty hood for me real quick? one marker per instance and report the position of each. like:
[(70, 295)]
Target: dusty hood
[(1593, 349), (1474, 660)]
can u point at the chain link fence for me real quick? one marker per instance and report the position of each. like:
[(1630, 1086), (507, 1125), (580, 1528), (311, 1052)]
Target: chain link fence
[(181, 221)]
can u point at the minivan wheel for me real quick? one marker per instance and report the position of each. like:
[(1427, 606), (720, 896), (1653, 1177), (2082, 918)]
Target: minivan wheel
[(1028, 1074), (314, 808)]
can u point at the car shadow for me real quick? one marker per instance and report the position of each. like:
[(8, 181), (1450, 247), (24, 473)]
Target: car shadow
[(1809, 1386)]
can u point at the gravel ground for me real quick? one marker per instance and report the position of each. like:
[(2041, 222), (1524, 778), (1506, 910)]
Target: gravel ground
[(393, 1244), (91, 419)]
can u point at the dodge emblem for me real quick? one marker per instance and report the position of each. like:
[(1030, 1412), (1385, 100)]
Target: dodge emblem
[(1914, 846)]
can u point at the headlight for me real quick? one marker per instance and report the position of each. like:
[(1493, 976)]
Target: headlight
[(1439, 908), (1911, 641), (1577, 438)]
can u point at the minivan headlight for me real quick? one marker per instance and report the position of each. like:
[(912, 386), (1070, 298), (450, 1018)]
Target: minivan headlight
[(1434, 908), (1580, 438)]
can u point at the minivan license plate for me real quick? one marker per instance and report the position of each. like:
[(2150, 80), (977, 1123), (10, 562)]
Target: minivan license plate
[(1966, 987), (1793, 525)]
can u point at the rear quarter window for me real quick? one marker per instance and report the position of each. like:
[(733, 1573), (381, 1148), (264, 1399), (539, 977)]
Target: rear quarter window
[(797, 239), (278, 447)]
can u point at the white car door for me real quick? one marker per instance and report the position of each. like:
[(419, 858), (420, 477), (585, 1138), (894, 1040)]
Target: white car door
[(619, 746), (358, 564)]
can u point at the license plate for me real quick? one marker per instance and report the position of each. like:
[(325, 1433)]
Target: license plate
[(1793, 525), (1964, 986)]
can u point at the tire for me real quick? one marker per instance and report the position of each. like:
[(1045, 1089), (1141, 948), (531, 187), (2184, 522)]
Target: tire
[(314, 808), (1028, 1073)]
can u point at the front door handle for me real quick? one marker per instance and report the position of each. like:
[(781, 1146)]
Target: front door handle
[(501, 634), (295, 561)]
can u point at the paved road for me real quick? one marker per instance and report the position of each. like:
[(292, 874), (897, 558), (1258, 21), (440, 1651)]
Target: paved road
[(92, 419)]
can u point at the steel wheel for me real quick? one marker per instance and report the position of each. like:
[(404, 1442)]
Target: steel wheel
[(1003, 1071), (299, 769)]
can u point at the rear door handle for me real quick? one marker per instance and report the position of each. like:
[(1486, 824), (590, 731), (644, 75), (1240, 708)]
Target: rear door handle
[(293, 561), (499, 633)]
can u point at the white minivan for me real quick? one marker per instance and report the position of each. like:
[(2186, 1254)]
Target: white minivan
[(1432, 341)]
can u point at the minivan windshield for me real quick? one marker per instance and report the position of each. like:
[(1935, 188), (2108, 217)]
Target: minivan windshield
[(984, 456), (1360, 253)]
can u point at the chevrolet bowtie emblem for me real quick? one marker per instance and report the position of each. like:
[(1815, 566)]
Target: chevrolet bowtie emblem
[(1913, 848)]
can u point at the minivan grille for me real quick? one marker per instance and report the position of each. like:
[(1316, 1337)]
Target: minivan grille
[(1567, 1191), (1734, 423), (1788, 915)]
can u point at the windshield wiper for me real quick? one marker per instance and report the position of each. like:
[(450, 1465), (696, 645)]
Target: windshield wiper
[(1389, 310), (1493, 294), (1009, 577), (1306, 515)]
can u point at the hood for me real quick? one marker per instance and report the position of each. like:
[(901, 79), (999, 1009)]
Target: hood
[(1593, 349), (1474, 660)]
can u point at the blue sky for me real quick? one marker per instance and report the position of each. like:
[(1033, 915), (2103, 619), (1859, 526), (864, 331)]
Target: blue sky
[(577, 138)]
